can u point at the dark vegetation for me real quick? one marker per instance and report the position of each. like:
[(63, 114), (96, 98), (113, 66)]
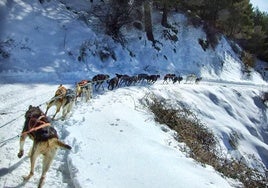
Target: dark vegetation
[(201, 144), (237, 19)]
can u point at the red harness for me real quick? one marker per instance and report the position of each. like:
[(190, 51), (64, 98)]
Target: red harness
[(35, 124), (83, 83)]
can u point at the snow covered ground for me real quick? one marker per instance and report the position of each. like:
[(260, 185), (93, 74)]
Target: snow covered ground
[(115, 140)]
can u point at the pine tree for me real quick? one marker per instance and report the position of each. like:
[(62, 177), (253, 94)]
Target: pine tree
[(240, 21)]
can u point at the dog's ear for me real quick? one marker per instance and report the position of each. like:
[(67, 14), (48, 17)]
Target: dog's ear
[(30, 106)]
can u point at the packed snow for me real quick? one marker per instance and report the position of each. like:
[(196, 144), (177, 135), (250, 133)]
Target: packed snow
[(115, 141)]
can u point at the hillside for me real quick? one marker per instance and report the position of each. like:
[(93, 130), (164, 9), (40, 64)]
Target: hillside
[(116, 141)]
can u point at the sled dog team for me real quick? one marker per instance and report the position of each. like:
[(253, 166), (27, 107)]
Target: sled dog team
[(37, 125)]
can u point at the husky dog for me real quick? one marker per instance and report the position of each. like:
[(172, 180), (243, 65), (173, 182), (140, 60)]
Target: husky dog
[(113, 83), (190, 78), (99, 80), (197, 80), (69, 100), (177, 79), (168, 77), (84, 90), (64, 99), (124, 80), (45, 141), (142, 77), (152, 78)]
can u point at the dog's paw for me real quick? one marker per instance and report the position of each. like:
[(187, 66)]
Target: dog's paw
[(26, 178), (20, 154)]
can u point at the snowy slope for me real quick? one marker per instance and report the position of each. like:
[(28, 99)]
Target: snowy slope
[(116, 142)]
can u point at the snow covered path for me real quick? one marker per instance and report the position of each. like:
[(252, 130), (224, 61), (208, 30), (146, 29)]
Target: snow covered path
[(111, 128), (15, 99)]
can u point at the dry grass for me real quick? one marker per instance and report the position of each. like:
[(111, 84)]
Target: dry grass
[(202, 143)]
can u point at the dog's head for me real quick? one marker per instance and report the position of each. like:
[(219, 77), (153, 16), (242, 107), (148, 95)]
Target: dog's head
[(33, 112), (61, 91)]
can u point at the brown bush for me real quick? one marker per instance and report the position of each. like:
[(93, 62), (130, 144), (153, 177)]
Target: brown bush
[(248, 59), (202, 143)]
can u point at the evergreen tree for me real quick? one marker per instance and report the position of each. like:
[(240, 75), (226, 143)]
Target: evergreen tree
[(258, 44), (240, 21)]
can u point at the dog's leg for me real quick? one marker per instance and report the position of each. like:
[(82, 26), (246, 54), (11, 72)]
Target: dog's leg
[(83, 95), (64, 111), (46, 110), (33, 158), (102, 85), (57, 110), (77, 93), (22, 141), (87, 95), (47, 160), (91, 92), (48, 106), (99, 84), (68, 108), (96, 85)]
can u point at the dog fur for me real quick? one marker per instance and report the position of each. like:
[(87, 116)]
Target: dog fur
[(197, 80), (84, 90), (64, 98), (168, 77), (99, 80), (69, 101), (152, 78), (142, 77), (177, 79), (113, 83), (190, 78), (45, 141)]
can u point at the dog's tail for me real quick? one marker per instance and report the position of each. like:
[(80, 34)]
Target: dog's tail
[(63, 145)]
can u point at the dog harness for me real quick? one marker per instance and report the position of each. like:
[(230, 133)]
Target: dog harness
[(40, 130), (83, 83)]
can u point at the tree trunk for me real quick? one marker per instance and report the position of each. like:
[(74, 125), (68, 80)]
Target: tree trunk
[(164, 21), (148, 21)]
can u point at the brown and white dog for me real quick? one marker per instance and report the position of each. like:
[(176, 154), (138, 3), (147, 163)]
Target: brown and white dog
[(84, 90), (63, 98), (45, 141)]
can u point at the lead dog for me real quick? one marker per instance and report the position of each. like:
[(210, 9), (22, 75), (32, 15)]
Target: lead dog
[(190, 78), (45, 141)]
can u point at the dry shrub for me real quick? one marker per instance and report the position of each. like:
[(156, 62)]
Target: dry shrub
[(189, 129), (248, 59), (202, 143)]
